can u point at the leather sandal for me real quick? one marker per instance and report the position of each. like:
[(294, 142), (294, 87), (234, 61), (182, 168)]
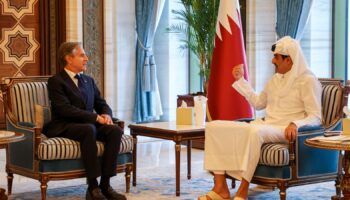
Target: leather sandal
[(213, 195)]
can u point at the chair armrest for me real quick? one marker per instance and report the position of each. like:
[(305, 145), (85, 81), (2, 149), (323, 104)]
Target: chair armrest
[(245, 120), (118, 122), (26, 124), (292, 145), (306, 129), (32, 138)]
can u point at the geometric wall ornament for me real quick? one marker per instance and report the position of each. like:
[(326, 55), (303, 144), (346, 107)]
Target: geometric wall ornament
[(19, 74), (18, 8), (18, 45)]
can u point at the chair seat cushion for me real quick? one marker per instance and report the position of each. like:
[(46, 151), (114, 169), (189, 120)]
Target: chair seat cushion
[(274, 154), (59, 148)]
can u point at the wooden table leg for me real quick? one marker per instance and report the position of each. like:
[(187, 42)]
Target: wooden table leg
[(189, 149), (134, 158), (177, 163), (345, 184), (339, 178), (3, 196)]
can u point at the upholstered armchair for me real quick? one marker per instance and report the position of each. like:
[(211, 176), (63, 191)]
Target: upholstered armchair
[(286, 165), (27, 108)]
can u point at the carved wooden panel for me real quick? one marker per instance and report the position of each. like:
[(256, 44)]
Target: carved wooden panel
[(93, 39), (19, 40)]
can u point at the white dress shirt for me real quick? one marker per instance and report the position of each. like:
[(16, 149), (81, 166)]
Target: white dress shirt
[(72, 76)]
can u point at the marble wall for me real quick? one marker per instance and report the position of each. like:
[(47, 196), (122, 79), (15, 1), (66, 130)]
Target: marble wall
[(93, 40)]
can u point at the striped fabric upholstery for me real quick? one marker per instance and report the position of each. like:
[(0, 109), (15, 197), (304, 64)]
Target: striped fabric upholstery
[(24, 96), (331, 100), (126, 144), (62, 148), (274, 154)]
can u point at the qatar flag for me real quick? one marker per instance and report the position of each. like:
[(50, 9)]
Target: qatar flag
[(224, 102)]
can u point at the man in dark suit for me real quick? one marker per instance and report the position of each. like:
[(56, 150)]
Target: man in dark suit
[(74, 96)]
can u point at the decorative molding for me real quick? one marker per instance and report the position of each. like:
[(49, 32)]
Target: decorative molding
[(18, 45), (18, 8)]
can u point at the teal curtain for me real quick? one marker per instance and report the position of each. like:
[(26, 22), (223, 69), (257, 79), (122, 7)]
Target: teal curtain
[(147, 99), (292, 16)]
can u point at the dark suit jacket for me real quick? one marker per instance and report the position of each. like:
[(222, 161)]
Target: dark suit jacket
[(68, 106)]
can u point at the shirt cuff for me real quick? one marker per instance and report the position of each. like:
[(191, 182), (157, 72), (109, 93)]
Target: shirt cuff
[(297, 123), (238, 82)]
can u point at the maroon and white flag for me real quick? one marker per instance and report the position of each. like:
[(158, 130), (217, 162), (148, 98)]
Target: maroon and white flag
[(224, 102)]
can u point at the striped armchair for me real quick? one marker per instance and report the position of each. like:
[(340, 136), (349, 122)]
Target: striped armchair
[(27, 108), (286, 165)]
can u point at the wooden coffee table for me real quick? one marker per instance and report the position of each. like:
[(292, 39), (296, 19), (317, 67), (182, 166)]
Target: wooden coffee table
[(337, 145), (168, 131), (7, 137)]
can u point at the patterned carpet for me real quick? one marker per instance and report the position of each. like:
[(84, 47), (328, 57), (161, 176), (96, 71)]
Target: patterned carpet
[(163, 188), (156, 181)]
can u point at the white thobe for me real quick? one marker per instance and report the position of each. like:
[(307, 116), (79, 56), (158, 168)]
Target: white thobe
[(234, 147)]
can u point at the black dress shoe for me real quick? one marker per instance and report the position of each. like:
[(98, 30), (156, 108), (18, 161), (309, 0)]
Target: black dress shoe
[(111, 194), (95, 194)]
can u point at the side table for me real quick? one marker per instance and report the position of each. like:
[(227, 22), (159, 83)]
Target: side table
[(343, 144), (7, 137), (168, 131)]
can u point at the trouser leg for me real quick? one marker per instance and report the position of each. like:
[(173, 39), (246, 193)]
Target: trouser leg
[(111, 136), (86, 135)]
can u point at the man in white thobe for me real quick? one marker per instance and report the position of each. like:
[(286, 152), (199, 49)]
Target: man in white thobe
[(291, 99)]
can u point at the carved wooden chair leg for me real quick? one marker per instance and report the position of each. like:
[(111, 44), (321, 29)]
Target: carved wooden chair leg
[(43, 187), (9, 182), (128, 177), (283, 190)]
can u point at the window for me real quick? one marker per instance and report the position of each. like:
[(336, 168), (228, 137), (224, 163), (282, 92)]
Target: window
[(317, 39)]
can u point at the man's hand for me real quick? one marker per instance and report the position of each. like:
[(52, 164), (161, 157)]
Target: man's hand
[(237, 71), (107, 118), (100, 119), (104, 119), (291, 132)]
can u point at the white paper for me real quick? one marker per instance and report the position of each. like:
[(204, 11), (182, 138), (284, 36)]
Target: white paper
[(346, 111), (338, 138), (200, 105), (183, 104)]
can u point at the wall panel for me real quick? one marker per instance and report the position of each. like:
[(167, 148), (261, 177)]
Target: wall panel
[(19, 41)]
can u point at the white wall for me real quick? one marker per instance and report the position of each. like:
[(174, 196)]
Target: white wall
[(261, 35), (172, 63), (120, 42)]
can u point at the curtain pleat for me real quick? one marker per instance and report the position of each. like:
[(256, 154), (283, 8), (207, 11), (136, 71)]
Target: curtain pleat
[(147, 99)]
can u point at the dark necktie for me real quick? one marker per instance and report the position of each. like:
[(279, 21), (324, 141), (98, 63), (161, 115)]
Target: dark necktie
[(82, 86)]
